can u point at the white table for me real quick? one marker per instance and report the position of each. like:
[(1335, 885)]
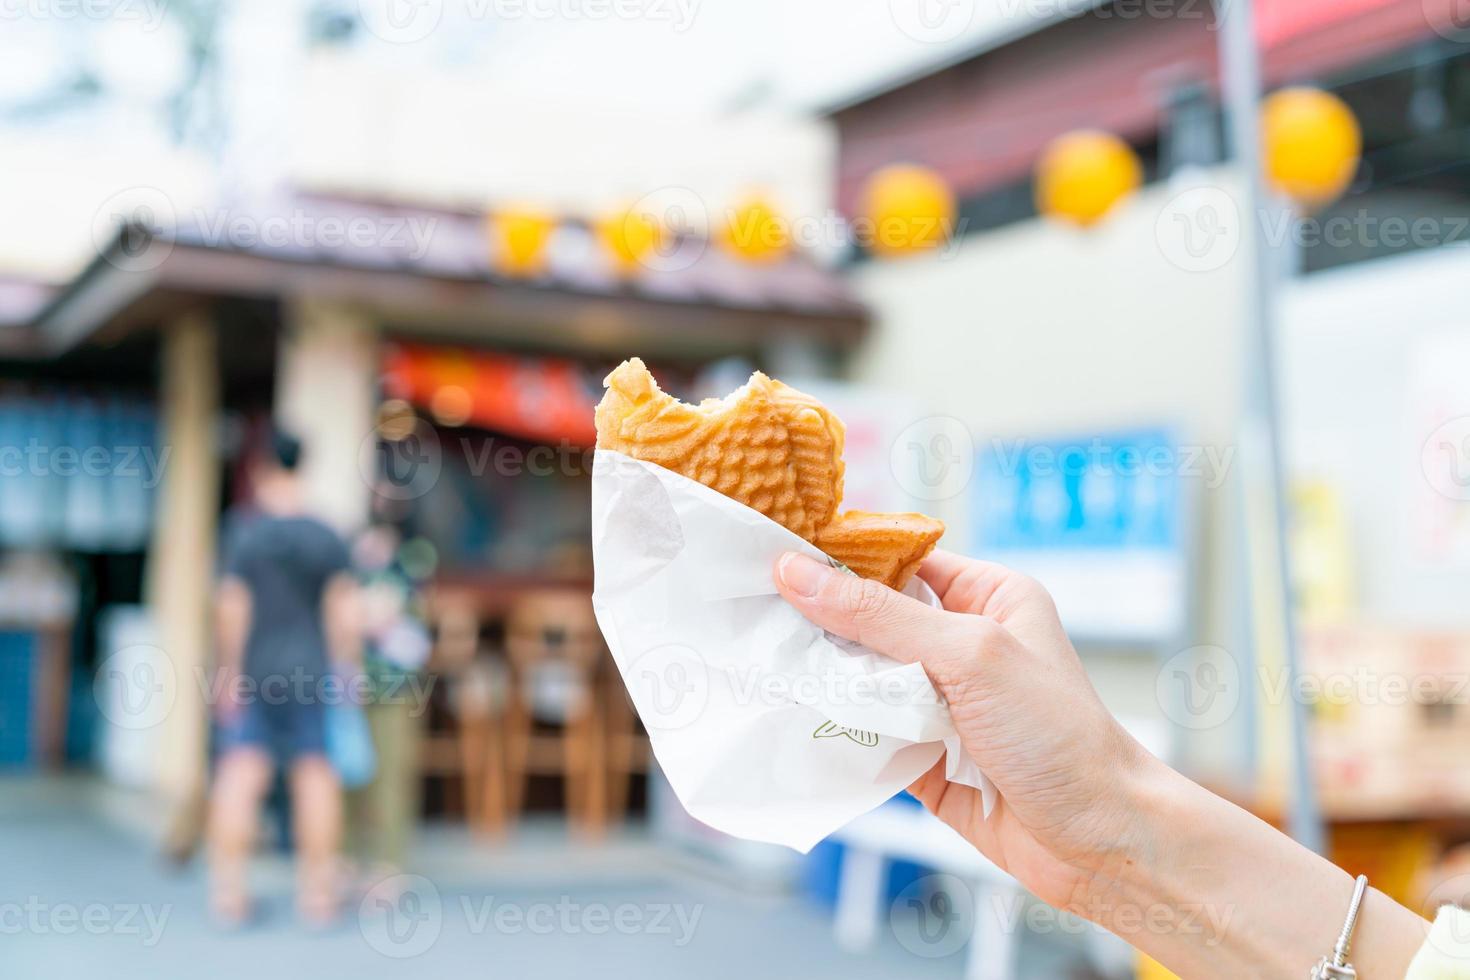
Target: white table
[(896, 832)]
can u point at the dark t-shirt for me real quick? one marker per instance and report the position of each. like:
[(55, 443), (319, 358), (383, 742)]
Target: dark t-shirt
[(286, 563)]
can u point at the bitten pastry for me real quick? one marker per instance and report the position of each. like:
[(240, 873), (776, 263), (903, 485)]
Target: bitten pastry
[(772, 448)]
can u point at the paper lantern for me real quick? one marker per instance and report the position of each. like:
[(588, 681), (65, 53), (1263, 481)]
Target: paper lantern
[(628, 235), (1311, 142), (908, 208), (1083, 174), (519, 237), (755, 231)]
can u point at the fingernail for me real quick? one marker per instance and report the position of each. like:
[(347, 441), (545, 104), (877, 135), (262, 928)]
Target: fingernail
[(801, 574)]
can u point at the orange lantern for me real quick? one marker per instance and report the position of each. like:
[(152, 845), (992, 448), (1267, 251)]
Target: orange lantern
[(755, 231), (1311, 142), (519, 237), (911, 209), (628, 235), (1083, 174)]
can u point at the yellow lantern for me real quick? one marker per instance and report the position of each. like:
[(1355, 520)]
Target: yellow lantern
[(911, 209), (1083, 174), (520, 237), (1312, 144), (755, 231), (628, 235)]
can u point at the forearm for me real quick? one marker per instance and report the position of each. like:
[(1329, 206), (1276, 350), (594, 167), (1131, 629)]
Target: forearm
[(1209, 890), (340, 617), (232, 611)]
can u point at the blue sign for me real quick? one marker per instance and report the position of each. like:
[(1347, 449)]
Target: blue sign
[(1107, 491)]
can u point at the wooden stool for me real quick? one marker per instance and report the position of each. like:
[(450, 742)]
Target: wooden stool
[(556, 655), (479, 706), (472, 755)]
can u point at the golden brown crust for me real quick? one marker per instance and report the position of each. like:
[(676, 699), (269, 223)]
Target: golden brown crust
[(772, 448), (886, 547)]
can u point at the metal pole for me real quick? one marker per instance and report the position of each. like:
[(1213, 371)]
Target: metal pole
[(1240, 94)]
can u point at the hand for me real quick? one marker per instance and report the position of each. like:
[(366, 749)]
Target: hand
[(1024, 708), (1089, 821), (228, 706)]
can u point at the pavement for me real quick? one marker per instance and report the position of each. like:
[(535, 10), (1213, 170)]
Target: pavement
[(83, 893)]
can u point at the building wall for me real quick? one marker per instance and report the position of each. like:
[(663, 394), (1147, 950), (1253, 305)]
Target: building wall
[(326, 395), (1037, 330), (1359, 411)]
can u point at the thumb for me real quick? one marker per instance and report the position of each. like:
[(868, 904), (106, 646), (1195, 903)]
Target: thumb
[(948, 644)]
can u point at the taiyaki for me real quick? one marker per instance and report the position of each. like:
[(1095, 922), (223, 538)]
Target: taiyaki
[(773, 449)]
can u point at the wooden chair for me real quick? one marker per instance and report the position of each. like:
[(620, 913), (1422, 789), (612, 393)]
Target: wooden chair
[(479, 706), (471, 756), (555, 719), (627, 750)]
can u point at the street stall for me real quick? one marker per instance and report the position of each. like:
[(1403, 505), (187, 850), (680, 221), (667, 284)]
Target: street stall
[(441, 386)]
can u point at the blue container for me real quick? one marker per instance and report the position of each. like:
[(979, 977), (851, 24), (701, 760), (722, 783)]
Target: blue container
[(822, 867), (17, 682)]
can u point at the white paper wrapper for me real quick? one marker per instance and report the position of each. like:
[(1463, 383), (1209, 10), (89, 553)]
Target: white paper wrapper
[(766, 727)]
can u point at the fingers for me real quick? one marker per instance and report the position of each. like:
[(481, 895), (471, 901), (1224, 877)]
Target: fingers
[(961, 807), (928, 787), (971, 585), (1013, 599), (856, 608), (949, 645), (941, 568)]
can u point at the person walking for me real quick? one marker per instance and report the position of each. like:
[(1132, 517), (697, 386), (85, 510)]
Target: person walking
[(286, 622)]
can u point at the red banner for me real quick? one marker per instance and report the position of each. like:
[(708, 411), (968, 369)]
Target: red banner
[(541, 399)]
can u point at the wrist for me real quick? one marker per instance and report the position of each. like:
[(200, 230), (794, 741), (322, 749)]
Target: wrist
[(1210, 890), (1133, 815), (1146, 797)]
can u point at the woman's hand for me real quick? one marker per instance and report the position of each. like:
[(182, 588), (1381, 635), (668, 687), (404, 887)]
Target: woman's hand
[(1024, 708), (1088, 820)]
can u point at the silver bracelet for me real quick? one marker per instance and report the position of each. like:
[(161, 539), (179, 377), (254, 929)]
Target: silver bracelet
[(1336, 967)]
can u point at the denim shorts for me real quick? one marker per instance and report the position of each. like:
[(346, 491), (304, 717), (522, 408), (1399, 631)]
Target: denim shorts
[(285, 731)]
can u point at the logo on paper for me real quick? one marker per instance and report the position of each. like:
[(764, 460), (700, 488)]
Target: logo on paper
[(833, 730)]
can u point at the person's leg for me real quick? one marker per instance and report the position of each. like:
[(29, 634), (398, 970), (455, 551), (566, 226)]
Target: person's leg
[(397, 735), (241, 779), (316, 813), (389, 801)]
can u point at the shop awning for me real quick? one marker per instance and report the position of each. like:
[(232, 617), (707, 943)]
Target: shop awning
[(444, 287)]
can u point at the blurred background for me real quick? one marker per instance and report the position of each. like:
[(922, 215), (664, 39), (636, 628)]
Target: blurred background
[(1160, 300)]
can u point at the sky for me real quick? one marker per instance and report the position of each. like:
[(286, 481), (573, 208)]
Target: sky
[(90, 89), (689, 54), (710, 54)]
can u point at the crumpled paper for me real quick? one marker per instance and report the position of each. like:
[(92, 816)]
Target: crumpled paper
[(766, 727)]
